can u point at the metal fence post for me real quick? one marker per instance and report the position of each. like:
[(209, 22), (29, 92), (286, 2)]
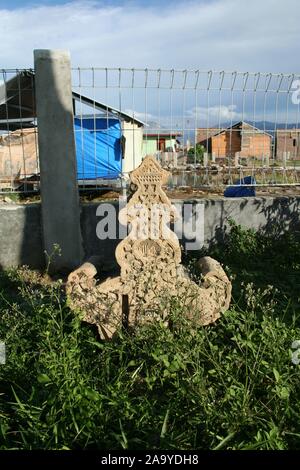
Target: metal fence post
[(58, 173)]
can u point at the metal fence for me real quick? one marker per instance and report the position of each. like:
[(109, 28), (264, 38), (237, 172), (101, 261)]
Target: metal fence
[(210, 129), (19, 164)]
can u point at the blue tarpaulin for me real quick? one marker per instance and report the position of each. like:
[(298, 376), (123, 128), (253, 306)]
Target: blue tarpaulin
[(98, 147), (241, 189)]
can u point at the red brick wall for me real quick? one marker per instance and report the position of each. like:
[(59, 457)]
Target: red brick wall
[(226, 144), (285, 141), (256, 145), (245, 139)]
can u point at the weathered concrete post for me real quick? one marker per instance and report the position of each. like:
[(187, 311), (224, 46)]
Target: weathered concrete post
[(236, 158), (267, 160), (284, 159), (59, 190)]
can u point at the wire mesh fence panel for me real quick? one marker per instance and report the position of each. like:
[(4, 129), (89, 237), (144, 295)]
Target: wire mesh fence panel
[(209, 128), (19, 164)]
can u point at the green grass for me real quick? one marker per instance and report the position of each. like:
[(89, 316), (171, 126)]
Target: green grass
[(231, 385)]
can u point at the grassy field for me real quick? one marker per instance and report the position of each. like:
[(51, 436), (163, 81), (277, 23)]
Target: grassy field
[(232, 385)]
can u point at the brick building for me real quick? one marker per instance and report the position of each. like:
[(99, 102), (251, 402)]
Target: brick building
[(288, 140), (241, 138)]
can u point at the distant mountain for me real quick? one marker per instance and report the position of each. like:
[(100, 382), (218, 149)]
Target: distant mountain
[(267, 126), (271, 126)]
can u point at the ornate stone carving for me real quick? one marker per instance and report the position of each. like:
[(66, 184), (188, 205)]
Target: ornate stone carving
[(151, 273)]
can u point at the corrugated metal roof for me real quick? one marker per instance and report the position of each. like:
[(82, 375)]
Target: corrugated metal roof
[(17, 103)]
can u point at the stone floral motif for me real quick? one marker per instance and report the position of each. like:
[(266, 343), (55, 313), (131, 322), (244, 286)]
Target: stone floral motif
[(151, 275)]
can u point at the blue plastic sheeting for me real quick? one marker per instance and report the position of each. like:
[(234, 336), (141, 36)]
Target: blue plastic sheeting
[(241, 190), (98, 148)]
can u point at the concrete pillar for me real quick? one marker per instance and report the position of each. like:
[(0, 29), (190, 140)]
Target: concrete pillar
[(205, 159), (59, 189), (236, 158), (284, 159), (267, 160), (175, 161), (213, 157)]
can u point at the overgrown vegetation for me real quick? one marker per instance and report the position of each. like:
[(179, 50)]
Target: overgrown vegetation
[(228, 386), (195, 154)]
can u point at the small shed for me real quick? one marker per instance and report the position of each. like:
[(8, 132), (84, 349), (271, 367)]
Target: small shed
[(109, 139)]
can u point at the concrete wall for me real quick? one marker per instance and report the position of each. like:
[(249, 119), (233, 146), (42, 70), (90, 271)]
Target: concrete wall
[(266, 214), (21, 235), (21, 240)]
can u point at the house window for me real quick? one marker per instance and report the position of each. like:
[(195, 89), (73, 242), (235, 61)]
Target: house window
[(294, 142)]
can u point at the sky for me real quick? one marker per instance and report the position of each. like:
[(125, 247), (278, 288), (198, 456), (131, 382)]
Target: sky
[(256, 35), (230, 35)]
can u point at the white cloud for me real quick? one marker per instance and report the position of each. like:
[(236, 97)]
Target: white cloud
[(222, 113), (205, 34), (220, 34), (143, 116)]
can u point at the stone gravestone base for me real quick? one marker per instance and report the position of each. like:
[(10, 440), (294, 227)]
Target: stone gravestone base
[(151, 275)]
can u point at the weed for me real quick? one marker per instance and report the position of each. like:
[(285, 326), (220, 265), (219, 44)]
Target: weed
[(231, 385)]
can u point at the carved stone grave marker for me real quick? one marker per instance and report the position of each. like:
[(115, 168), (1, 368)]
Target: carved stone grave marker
[(151, 274)]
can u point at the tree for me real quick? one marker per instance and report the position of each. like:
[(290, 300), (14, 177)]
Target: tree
[(196, 154)]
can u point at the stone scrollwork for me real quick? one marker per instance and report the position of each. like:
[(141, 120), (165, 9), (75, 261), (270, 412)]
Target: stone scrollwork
[(150, 271)]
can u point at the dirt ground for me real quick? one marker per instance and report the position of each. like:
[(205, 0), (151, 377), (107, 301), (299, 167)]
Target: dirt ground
[(217, 193), (178, 193)]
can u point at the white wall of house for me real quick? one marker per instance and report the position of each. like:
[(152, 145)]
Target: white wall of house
[(133, 146)]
